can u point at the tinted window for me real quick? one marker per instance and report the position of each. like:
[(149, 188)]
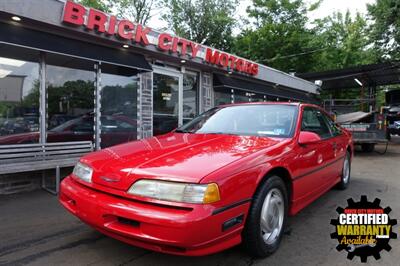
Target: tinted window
[(84, 126), (222, 97), (70, 93), (115, 124), (118, 109), (313, 121), (19, 100), (165, 103), (190, 99)]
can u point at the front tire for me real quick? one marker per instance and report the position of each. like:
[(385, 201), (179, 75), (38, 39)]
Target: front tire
[(266, 218), (346, 171)]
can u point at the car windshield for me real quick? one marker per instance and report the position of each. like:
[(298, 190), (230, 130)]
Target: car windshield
[(256, 120), (67, 124)]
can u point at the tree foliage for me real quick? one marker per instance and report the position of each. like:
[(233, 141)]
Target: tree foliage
[(137, 10), (208, 22), (97, 4), (385, 30), (285, 38), (280, 34), (344, 41)]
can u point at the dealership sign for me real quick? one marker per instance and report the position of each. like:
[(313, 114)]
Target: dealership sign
[(125, 30)]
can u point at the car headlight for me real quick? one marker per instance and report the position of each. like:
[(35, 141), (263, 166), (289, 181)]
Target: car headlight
[(174, 191), (84, 172)]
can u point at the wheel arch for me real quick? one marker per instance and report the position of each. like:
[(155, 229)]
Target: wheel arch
[(350, 150), (286, 177)]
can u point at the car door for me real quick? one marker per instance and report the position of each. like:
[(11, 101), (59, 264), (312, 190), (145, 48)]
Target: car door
[(314, 171), (339, 146)]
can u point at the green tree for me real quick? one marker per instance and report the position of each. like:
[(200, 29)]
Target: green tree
[(385, 31), (138, 10), (32, 99), (79, 94), (101, 5), (344, 42), (280, 38), (208, 22)]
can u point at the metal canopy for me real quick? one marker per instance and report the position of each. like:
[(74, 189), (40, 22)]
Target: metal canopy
[(368, 75), (227, 82), (10, 34)]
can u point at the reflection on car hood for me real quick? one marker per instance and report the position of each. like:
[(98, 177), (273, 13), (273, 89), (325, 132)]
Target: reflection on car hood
[(20, 138), (174, 156)]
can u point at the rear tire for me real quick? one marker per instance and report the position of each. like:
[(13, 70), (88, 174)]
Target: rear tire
[(346, 172), (368, 147), (266, 219)]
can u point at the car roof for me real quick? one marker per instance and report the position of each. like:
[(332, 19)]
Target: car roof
[(267, 103)]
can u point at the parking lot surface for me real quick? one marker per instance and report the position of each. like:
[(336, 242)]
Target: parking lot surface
[(36, 230)]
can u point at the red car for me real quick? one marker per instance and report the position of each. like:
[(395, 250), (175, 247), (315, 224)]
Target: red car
[(115, 129), (231, 175)]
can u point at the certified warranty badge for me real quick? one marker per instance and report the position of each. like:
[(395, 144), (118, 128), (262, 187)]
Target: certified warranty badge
[(363, 229)]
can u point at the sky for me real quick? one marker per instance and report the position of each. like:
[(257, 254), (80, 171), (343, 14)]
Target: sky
[(329, 6)]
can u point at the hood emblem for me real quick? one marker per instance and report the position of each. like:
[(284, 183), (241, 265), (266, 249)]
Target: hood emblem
[(109, 179)]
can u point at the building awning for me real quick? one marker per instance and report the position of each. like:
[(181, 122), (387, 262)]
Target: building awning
[(222, 82), (42, 41), (372, 75)]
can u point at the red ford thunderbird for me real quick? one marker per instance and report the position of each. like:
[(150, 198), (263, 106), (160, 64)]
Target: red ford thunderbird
[(232, 175)]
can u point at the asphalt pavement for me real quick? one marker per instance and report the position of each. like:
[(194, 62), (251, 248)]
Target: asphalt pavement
[(36, 230)]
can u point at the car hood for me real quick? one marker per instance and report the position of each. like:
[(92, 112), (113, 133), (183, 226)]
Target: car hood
[(20, 138), (174, 157), (25, 138)]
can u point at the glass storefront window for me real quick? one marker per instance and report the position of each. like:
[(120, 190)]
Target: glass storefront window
[(222, 97), (19, 99), (165, 103), (256, 97), (70, 89), (241, 96), (190, 96), (118, 109)]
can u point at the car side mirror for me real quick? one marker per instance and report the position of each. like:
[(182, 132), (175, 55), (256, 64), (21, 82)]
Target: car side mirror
[(308, 137)]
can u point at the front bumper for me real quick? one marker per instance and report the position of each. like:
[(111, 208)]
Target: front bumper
[(183, 231)]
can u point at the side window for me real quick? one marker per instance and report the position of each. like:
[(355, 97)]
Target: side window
[(335, 130), (84, 126), (314, 121)]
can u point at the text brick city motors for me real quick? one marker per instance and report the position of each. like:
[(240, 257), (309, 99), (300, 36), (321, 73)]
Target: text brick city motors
[(109, 25)]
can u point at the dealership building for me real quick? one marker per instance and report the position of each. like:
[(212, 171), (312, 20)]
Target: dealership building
[(70, 73)]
